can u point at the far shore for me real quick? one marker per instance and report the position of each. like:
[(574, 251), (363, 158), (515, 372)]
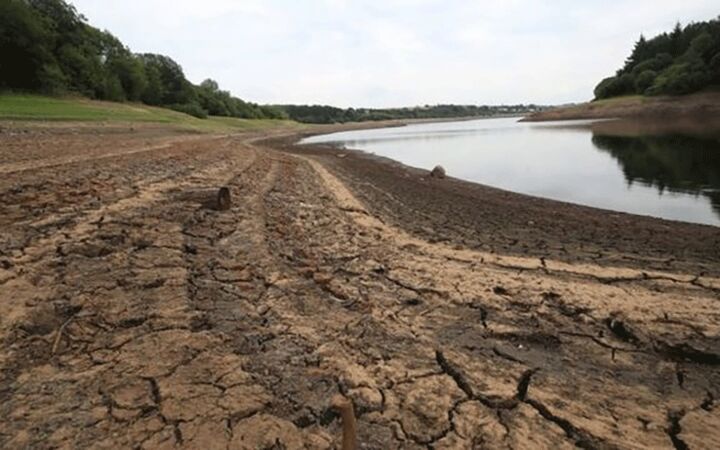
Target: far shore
[(699, 106)]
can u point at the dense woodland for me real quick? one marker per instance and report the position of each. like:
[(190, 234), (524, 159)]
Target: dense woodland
[(49, 48), (683, 61)]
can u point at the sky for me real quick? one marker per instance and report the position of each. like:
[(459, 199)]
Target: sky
[(387, 53)]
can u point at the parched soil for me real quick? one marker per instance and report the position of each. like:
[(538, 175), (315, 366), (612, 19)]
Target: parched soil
[(138, 315)]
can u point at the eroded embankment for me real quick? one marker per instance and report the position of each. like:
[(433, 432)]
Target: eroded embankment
[(139, 317)]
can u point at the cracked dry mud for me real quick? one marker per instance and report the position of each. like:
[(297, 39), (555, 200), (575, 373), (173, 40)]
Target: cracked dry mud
[(135, 316)]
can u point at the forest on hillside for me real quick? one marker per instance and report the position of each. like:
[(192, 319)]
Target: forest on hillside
[(48, 47), (683, 61)]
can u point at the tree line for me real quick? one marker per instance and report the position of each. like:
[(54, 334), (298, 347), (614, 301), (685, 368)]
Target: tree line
[(331, 114), (683, 61), (49, 48)]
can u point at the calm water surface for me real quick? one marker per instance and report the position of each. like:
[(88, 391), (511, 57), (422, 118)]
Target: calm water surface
[(623, 166)]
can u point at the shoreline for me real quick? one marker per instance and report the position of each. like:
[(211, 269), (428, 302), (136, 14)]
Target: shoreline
[(340, 149), (498, 220)]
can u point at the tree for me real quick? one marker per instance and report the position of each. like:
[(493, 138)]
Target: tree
[(645, 80), (166, 78), (120, 63), (680, 62), (27, 61)]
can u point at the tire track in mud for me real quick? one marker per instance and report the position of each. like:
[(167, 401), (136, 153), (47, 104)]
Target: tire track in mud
[(373, 337), (56, 162), (78, 232), (122, 299), (36, 213), (550, 338)]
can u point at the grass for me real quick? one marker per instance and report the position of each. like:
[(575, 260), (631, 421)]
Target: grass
[(22, 107), (625, 99)]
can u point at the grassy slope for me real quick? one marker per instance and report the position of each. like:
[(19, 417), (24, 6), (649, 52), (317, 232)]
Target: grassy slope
[(611, 103), (706, 103), (34, 107)]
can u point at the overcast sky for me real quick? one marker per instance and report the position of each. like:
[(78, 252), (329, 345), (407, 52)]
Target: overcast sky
[(383, 53)]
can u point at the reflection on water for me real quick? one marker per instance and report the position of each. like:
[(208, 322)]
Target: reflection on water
[(651, 168), (676, 163)]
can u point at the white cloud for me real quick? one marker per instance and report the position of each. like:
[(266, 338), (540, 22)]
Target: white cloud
[(394, 52)]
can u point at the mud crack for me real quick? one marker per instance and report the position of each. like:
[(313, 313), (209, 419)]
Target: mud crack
[(675, 429)]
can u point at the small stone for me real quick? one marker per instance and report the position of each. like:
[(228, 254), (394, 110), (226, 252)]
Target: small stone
[(322, 278), (438, 172), (306, 272)]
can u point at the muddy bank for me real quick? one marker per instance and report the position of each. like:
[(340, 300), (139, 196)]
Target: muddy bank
[(696, 107), (136, 316), (496, 221)]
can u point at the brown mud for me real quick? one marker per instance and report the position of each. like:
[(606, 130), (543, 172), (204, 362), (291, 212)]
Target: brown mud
[(137, 315)]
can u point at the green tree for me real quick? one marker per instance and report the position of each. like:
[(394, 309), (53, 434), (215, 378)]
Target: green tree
[(166, 81), (680, 62), (27, 61), (645, 80), (120, 63)]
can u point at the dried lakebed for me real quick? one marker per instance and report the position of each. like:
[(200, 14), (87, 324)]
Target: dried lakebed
[(136, 317)]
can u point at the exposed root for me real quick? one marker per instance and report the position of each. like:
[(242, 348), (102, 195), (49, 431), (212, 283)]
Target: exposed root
[(59, 335)]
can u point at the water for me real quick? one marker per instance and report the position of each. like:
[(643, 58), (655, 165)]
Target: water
[(669, 171)]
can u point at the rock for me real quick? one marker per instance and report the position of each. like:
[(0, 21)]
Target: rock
[(223, 199), (438, 172), (322, 278)]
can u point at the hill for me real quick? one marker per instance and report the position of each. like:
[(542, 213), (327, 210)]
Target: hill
[(17, 107), (50, 48)]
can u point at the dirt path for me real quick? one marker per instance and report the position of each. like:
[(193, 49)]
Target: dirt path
[(136, 317)]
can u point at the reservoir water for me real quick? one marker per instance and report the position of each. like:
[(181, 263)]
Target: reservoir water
[(663, 170)]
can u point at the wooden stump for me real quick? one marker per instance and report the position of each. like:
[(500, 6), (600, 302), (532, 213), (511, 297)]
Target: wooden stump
[(223, 199), (345, 407)]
